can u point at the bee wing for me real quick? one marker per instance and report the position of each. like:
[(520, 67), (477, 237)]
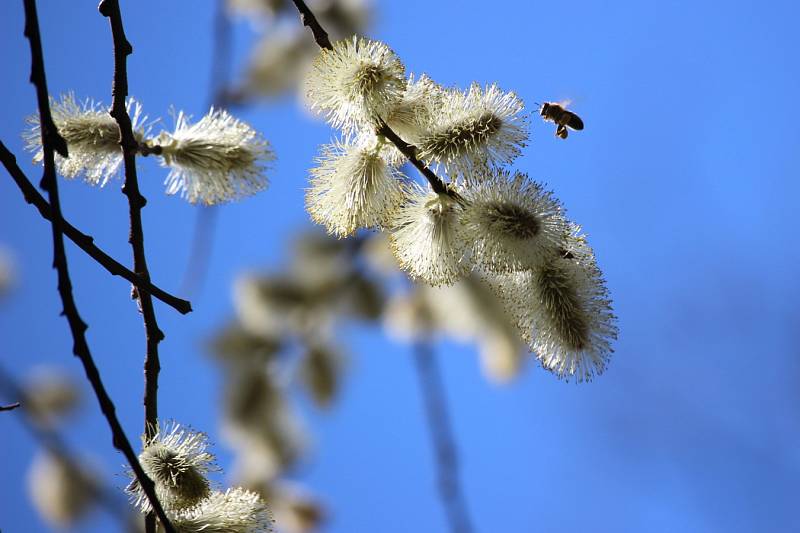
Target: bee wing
[(575, 122)]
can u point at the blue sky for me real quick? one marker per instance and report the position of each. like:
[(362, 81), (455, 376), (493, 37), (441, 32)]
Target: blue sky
[(685, 179)]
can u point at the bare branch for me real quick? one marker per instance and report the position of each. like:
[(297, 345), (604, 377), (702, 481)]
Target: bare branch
[(309, 20), (52, 141), (9, 407), (153, 335), (83, 241), (410, 152)]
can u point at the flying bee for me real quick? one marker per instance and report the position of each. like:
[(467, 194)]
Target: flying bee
[(557, 113)]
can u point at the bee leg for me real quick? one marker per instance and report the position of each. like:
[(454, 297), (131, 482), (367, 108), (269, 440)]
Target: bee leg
[(562, 132)]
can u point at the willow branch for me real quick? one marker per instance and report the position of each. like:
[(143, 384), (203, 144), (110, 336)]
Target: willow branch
[(51, 141), (9, 407), (56, 446), (207, 215), (442, 436), (83, 241), (153, 335), (408, 150), (309, 20)]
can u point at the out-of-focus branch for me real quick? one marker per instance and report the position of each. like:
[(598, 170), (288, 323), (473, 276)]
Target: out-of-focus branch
[(51, 141), (83, 241), (207, 215), (153, 335), (56, 446), (408, 150), (442, 436), (9, 407)]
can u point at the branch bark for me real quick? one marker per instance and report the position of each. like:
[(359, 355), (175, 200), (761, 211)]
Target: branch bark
[(51, 142), (153, 334), (83, 241)]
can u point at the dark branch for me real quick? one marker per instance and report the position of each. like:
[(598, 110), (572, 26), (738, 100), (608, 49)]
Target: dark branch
[(442, 436), (408, 150), (9, 407), (50, 140), (309, 20), (153, 335), (83, 241)]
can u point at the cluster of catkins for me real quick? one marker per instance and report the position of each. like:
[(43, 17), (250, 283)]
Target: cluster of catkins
[(214, 160), (177, 460), (484, 219)]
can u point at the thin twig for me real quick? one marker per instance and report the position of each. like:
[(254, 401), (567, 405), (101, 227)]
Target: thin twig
[(83, 241), (442, 436), (50, 140), (408, 150), (207, 215), (51, 440), (309, 20), (9, 407), (153, 335)]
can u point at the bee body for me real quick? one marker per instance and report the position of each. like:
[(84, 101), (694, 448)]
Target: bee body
[(563, 118)]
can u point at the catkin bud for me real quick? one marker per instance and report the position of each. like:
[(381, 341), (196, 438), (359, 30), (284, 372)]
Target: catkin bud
[(512, 222), (353, 187), (92, 137), (356, 82), (483, 126), (563, 311), (215, 160), (427, 238), (177, 461), (233, 511)]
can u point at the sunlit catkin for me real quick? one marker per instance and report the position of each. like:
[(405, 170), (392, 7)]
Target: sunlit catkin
[(512, 222), (215, 160), (563, 311), (427, 238), (92, 137), (482, 126), (177, 461), (353, 187), (355, 82)]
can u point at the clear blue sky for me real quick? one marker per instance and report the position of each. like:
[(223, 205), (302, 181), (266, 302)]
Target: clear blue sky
[(686, 179)]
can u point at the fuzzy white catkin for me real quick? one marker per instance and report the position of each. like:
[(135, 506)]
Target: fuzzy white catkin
[(427, 238), (563, 311), (177, 460), (92, 137), (234, 511), (411, 118), (356, 82), (512, 222), (353, 187), (215, 160), (479, 127)]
